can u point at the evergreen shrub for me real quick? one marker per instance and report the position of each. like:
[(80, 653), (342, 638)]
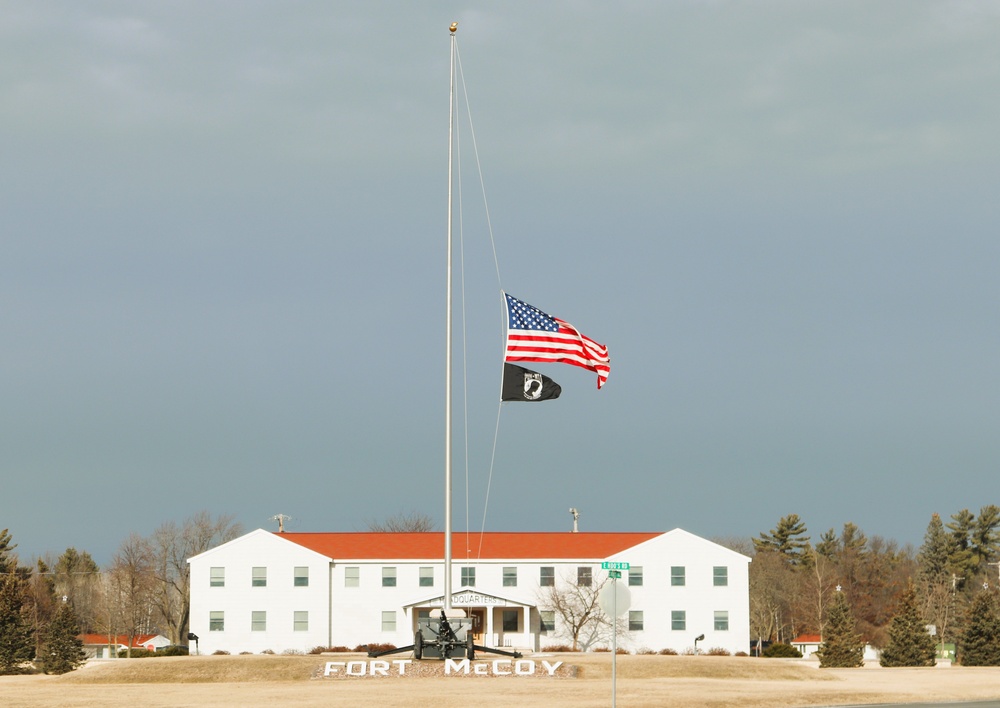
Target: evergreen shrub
[(780, 650)]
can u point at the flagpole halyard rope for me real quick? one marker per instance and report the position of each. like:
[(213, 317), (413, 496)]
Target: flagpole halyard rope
[(496, 263), (527, 333)]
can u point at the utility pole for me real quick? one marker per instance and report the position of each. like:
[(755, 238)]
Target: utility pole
[(281, 519)]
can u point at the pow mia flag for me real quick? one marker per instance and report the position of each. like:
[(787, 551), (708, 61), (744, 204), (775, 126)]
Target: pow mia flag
[(520, 384)]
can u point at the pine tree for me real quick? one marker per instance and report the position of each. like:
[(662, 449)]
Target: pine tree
[(934, 580), (984, 537), (909, 642), (8, 561), (962, 561), (842, 646), (77, 577), (17, 644), (40, 601), (829, 544), (787, 538), (933, 555), (980, 643), (62, 649), (853, 539)]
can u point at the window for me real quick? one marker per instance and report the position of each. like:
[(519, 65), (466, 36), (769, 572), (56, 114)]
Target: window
[(722, 620), (547, 576), (300, 576), (300, 621), (677, 575), (584, 576), (217, 621), (352, 576), (389, 621), (389, 577), (427, 577), (635, 620), (720, 576), (635, 576), (469, 576), (510, 576), (259, 577), (546, 621), (258, 621), (678, 620), (510, 620), (217, 577)]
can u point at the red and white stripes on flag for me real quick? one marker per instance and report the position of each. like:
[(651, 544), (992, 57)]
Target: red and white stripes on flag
[(533, 335)]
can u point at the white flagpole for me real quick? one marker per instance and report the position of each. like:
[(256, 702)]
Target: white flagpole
[(447, 355)]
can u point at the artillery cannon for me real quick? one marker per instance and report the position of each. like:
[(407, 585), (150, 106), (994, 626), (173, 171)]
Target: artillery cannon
[(438, 637)]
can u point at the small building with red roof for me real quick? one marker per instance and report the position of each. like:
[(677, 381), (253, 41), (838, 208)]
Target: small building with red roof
[(296, 591), (105, 646), (809, 644)]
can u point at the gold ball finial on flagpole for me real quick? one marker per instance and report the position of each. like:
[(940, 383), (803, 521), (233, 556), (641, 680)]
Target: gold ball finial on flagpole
[(454, 27)]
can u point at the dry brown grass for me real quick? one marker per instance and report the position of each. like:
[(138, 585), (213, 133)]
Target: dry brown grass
[(643, 682), (202, 669), (258, 668), (698, 667)]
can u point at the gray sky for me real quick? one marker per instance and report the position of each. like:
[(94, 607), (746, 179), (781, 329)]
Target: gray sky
[(222, 263)]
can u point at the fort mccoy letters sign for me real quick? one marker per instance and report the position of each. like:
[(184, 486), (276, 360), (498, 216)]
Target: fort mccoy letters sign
[(403, 668)]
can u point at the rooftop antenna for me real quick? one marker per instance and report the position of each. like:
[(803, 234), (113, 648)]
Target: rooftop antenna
[(576, 518), (281, 519)]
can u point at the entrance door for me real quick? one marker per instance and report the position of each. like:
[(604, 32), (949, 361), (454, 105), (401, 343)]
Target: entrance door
[(478, 625)]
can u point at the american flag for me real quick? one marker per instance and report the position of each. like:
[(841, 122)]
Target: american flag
[(534, 336)]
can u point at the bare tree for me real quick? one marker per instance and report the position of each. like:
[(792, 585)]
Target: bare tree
[(169, 548), (818, 581), (107, 615), (740, 544), (402, 523), (131, 587), (578, 612), (772, 587)]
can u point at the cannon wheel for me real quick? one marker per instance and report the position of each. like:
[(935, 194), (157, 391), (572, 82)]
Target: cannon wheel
[(418, 645), (470, 649)]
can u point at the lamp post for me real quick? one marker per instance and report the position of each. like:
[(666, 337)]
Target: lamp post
[(699, 638)]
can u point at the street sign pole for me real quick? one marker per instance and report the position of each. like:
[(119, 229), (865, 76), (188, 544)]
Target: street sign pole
[(614, 641), (614, 572)]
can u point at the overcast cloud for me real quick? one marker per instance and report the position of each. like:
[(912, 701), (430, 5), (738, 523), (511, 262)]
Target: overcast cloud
[(222, 263)]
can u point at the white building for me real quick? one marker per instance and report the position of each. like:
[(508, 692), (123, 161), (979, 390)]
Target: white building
[(297, 591)]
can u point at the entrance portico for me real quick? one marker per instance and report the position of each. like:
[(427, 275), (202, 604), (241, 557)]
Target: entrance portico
[(496, 621)]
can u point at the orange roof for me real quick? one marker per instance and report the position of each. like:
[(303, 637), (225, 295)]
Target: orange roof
[(808, 639), (430, 545), (139, 640)]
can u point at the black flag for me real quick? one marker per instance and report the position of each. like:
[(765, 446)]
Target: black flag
[(520, 384)]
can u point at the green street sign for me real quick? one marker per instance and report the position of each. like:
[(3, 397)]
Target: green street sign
[(614, 574), (613, 565)]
